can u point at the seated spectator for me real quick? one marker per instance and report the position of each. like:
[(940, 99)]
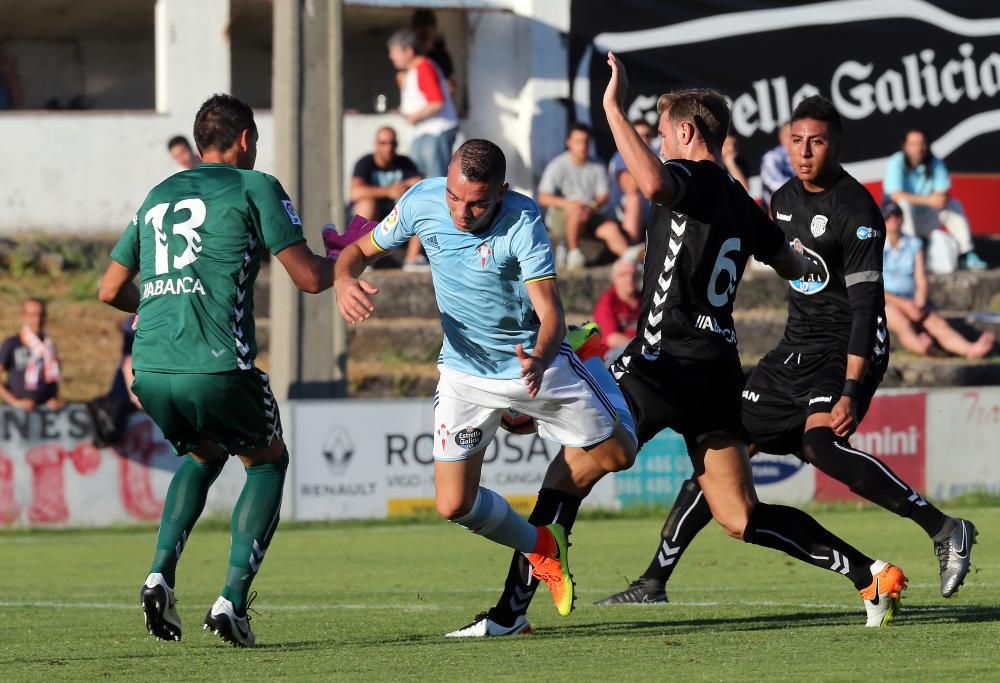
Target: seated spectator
[(617, 310), (379, 180), (908, 312), (736, 165), (425, 101), (30, 359), (918, 182), (182, 152), (628, 205), (776, 165), (109, 414), (574, 189)]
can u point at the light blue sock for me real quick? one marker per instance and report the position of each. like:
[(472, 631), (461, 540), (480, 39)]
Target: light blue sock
[(493, 517), (606, 381)]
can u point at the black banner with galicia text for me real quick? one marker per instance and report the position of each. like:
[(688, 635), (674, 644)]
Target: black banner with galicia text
[(886, 65)]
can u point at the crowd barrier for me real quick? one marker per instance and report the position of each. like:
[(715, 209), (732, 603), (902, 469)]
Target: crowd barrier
[(369, 459)]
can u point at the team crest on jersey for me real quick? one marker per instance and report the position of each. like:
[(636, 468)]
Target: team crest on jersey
[(484, 252), (818, 225), (290, 210), (812, 283)]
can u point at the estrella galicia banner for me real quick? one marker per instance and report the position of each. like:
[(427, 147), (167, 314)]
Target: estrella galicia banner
[(886, 65)]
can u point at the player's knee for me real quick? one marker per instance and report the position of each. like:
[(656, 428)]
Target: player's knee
[(453, 507), (734, 523)]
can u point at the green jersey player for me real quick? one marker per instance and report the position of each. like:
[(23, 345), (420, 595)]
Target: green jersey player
[(196, 244)]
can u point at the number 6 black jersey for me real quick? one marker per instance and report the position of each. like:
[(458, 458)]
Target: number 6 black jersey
[(842, 311), (696, 250)]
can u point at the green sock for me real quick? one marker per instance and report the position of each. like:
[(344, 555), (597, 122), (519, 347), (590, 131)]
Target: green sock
[(255, 518), (185, 501)]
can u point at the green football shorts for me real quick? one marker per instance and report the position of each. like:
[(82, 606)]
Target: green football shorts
[(235, 409)]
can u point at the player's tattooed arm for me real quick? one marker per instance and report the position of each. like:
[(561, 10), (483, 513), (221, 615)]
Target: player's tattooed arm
[(117, 288), (544, 295), (352, 292), (652, 177)]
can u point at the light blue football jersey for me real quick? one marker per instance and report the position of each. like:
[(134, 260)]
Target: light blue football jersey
[(479, 277)]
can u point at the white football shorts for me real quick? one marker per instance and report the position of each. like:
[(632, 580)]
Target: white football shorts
[(570, 408)]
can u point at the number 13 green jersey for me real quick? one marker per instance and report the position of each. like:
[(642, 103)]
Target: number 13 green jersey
[(197, 242)]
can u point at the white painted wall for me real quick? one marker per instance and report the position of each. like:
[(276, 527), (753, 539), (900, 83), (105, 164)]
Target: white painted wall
[(87, 172)]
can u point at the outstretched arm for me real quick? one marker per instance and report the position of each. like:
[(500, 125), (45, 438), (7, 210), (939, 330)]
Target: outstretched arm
[(353, 293), (652, 177)]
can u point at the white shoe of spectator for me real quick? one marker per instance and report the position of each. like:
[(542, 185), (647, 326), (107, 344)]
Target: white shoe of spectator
[(575, 260)]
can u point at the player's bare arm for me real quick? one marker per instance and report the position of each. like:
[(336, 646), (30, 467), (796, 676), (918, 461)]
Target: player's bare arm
[(117, 288), (652, 177), (544, 295), (310, 272), (352, 292)]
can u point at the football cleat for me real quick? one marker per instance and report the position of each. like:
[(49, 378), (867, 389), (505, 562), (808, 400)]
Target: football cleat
[(517, 423), (955, 556), (483, 626), (160, 608), (883, 594), (586, 340), (639, 592), (223, 622), (554, 571)]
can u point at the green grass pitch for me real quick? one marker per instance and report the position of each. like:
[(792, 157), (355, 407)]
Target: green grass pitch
[(370, 602)]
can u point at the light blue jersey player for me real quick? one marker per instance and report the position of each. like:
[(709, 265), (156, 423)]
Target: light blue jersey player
[(504, 349)]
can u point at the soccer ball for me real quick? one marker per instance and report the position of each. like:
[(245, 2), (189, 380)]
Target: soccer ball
[(517, 423)]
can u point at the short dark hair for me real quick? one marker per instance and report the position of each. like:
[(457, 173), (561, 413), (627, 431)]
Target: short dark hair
[(481, 161), (178, 140), (579, 127), (821, 109), (705, 109), (220, 121)]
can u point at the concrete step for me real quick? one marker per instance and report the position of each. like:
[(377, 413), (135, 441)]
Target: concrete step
[(372, 379)]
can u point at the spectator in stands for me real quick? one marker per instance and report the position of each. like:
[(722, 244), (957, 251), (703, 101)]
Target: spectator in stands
[(908, 312), (11, 94), (182, 152), (628, 205), (575, 191), (425, 101), (379, 180), (918, 182), (776, 165), (736, 165), (432, 46), (30, 360), (617, 311)]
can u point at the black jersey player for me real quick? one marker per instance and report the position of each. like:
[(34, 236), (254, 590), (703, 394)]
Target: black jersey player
[(682, 371), (808, 394)]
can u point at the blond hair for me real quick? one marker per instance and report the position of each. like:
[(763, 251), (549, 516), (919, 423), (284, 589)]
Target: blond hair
[(707, 110)]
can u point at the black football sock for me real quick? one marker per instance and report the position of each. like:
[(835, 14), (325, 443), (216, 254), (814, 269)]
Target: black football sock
[(795, 533), (689, 515), (869, 477), (551, 507)]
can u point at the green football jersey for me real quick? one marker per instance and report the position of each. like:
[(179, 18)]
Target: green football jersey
[(197, 242)]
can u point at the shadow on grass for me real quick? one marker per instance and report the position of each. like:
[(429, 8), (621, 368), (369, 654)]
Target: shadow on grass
[(912, 615)]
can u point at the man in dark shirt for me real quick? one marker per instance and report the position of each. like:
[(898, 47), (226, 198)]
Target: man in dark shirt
[(682, 371), (379, 180), (809, 394), (30, 360)]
